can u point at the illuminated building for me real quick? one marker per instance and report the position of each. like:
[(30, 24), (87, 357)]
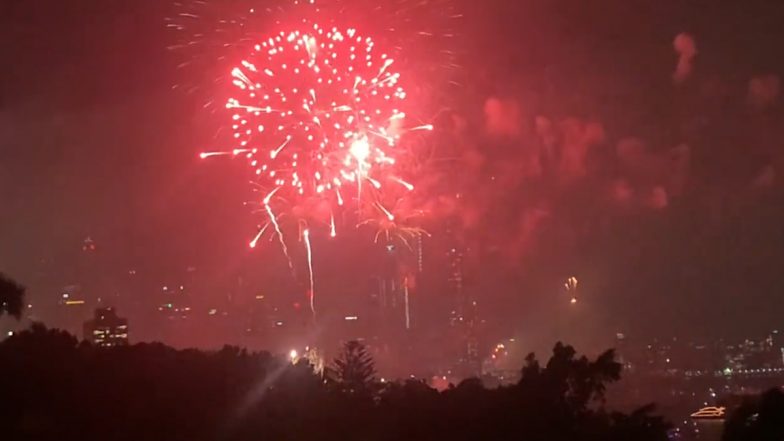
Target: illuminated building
[(463, 307), (776, 342), (175, 303), (463, 316), (455, 284), (753, 354), (106, 329)]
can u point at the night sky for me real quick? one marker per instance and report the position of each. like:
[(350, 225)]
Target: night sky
[(582, 151)]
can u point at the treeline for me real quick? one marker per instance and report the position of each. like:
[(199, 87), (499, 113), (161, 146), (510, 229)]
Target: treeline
[(54, 388)]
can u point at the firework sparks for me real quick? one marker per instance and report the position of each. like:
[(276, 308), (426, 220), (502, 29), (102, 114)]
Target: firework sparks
[(394, 224), (571, 287), (313, 111)]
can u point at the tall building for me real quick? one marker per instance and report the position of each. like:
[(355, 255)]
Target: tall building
[(391, 291), (776, 342), (175, 302), (455, 286), (106, 329), (463, 317)]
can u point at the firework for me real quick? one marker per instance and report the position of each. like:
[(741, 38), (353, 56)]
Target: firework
[(571, 287), (318, 114), (318, 111)]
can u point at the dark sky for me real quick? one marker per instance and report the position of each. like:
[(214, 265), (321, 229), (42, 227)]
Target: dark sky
[(94, 142)]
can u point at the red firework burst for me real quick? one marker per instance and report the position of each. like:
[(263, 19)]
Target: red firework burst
[(318, 110)]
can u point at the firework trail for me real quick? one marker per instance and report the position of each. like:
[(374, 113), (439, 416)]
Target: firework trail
[(274, 221), (256, 238), (311, 290), (405, 298)]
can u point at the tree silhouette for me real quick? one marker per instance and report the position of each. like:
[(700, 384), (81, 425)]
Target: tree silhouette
[(354, 369), (11, 296), (761, 419), (58, 388), (568, 382)]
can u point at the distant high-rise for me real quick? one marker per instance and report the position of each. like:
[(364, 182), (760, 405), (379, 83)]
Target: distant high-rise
[(776, 342), (392, 290), (463, 305), (455, 286), (463, 316), (106, 329), (389, 295), (175, 303)]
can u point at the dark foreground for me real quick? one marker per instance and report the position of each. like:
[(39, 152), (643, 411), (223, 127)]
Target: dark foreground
[(56, 388)]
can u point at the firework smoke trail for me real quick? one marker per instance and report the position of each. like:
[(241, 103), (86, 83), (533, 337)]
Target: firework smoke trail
[(311, 291), (405, 298), (274, 221)]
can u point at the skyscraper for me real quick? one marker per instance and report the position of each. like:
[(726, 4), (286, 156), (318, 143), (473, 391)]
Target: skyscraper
[(463, 316), (455, 286), (106, 329), (389, 295)]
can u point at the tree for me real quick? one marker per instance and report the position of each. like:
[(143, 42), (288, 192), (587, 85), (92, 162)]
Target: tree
[(574, 383), (11, 296), (757, 420), (354, 370), (60, 389)]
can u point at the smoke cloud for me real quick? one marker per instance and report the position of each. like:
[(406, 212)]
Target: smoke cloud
[(502, 117), (686, 48), (763, 91)]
